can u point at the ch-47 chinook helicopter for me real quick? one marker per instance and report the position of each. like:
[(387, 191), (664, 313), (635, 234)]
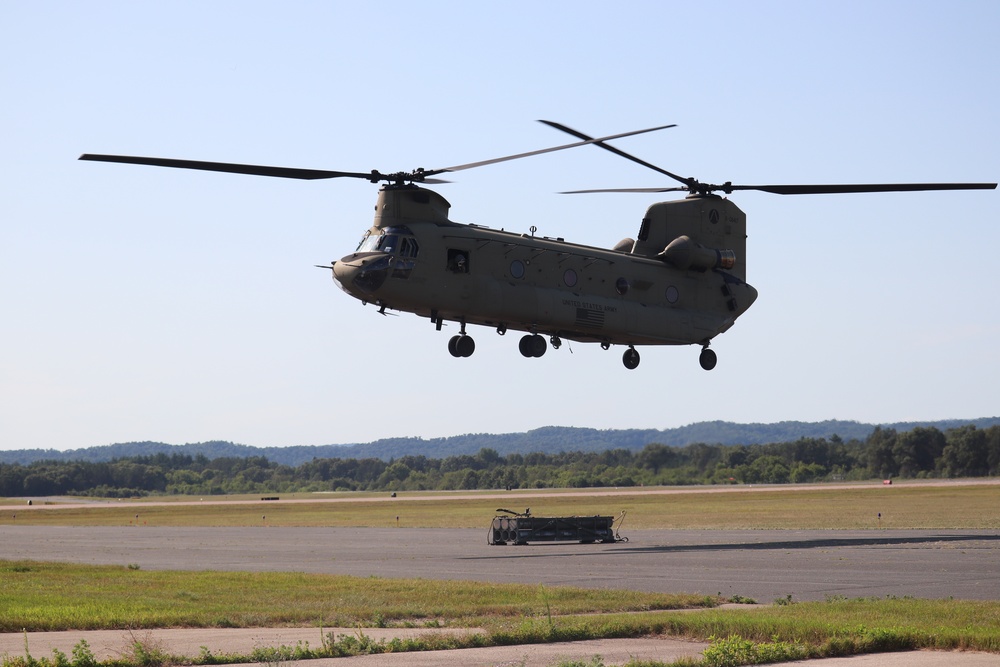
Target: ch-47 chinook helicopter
[(681, 281)]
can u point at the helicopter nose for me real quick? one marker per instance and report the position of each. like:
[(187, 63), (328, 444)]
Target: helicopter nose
[(333, 273), (362, 276), (339, 273)]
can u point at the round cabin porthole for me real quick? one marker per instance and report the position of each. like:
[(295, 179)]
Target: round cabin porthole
[(621, 286), (517, 269), (672, 294), (569, 278)]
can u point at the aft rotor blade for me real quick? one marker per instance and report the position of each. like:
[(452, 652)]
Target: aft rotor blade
[(252, 169), (600, 143), (861, 187), (587, 140), (633, 190)]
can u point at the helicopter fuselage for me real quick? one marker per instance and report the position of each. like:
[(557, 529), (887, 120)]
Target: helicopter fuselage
[(414, 259)]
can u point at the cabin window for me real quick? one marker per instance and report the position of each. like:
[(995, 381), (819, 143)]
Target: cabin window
[(621, 286), (517, 269), (569, 278), (458, 260)]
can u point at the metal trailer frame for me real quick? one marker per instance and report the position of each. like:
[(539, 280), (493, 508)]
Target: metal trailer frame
[(521, 529)]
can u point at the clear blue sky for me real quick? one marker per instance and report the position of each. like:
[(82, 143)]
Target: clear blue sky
[(140, 303)]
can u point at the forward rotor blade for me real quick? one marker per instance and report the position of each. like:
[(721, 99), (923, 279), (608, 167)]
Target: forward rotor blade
[(600, 143), (316, 174), (587, 140), (862, 187), (253, 170)]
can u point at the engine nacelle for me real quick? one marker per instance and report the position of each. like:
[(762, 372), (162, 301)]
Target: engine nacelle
[(685, 254)]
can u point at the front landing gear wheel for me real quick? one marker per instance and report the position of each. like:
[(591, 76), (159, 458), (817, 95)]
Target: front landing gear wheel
[(630, 358), (707, 359), (461, 346)]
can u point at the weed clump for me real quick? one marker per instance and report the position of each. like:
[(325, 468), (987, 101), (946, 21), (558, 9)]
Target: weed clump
[(82, 657), (734, 651)]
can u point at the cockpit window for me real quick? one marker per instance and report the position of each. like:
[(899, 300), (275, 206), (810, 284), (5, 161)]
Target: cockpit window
[(393, 244), (368, 243), (388, 243), (408, 247)]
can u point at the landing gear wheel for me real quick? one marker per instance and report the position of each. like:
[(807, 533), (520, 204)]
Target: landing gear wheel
[(461, 346), (556, 342), (707, 359), (532, 345), (630, 358), (539, 346), (466, 346), (524, 346)]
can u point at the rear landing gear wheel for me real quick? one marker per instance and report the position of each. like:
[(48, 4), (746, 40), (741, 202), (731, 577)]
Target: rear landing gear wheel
[(630, 358), (532, 345), (708, 359), (461, 346)]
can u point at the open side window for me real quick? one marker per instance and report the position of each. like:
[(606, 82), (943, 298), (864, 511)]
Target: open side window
[(458, 260)]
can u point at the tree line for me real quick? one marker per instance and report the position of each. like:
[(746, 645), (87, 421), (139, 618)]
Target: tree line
[(921, 452)]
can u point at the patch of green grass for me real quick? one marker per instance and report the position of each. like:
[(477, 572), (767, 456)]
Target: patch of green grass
[(807, 629), (58, 596), (844, 627)]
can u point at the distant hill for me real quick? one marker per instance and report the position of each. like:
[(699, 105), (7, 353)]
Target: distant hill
[(548, 439)]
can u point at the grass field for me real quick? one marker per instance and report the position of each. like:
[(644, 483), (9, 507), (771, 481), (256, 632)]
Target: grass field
[(914, 505)]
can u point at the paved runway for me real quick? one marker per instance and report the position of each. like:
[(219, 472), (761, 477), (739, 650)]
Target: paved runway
[(764, 565)]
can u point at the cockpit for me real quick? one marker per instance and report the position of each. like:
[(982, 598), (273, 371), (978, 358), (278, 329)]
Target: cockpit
[(390, 253), (397, 241)]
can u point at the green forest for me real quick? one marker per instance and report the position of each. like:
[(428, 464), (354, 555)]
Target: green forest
[(922, 452)]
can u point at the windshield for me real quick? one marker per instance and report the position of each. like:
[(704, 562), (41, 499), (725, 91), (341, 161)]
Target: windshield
[(388, 243), (367, 243), (380, 242)]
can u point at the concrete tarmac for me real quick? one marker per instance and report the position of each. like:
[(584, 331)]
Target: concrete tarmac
[(761, 564)]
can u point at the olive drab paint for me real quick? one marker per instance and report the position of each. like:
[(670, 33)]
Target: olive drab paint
[(639, 293)]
